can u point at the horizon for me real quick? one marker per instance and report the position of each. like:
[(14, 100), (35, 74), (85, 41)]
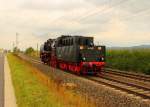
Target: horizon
[(134, 46)]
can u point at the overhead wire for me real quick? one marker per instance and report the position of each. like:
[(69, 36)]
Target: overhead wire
[(102, 11), (90, 14)]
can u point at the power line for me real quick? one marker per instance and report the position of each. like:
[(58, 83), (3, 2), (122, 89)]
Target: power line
[(126, 18), (142, 11), (90, 14), (102, 10)]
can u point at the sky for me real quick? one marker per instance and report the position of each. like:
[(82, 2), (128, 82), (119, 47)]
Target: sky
[(111, 22)]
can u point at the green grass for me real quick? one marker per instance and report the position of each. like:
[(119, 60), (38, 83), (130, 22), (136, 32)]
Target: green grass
[(35, 89), (29, 91), (136, 60)]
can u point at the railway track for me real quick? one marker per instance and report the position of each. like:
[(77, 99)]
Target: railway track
[(127, 87), (132, 83), (140, 77), (120, 81)]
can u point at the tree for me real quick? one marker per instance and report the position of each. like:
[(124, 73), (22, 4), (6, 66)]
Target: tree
[(16, 50), (29, 50)]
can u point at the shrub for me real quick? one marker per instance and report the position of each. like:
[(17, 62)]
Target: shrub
[(137, 60), (29, 51), (147, 69)]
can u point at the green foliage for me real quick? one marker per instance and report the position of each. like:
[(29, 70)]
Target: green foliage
[(16, 50), (29, 51), (137, 60), (147, 70)]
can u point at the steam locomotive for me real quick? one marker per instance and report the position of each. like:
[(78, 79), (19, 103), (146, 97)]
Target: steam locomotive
[(76, 54)]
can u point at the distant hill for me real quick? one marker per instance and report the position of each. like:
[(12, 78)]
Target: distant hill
[(142, 46), (132, 47)]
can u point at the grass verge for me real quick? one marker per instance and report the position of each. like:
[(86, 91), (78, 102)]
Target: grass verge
[(34, 89)]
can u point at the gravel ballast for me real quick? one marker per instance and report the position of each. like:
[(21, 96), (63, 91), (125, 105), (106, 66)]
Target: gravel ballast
[(104, 96)]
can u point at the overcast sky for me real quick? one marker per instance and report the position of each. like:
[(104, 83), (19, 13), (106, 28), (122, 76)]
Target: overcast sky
[(111, 22)]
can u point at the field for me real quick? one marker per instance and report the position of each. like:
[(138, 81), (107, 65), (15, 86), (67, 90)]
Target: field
[(136, 60), (34, 89)]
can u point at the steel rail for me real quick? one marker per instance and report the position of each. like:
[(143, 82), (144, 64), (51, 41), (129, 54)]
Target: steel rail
[(123, 87), (129, 75)]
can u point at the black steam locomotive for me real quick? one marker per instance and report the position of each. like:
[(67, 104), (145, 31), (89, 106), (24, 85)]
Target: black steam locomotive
[(77, 54)]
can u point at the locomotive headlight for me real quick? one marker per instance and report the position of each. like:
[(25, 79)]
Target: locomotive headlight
[(99, 48), (84, 58), (102, 59), (81, 47)]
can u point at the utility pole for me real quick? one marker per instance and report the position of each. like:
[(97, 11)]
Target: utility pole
[(17, 40), (13, 46), (37, 49)]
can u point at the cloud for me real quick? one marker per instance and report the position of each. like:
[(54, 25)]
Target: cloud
[(119, 34), (38, 20), (54, 5), (131, 6)]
